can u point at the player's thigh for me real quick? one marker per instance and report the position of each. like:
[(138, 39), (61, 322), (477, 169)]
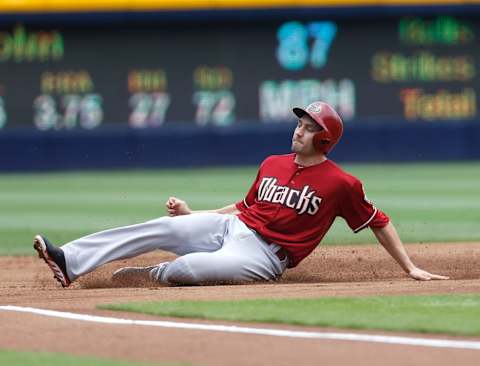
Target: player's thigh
[(193, 233)]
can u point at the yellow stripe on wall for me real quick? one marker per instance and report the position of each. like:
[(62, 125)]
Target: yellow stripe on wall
[(146, 5)]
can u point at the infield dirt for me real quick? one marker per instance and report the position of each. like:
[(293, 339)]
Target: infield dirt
[(329, 271)]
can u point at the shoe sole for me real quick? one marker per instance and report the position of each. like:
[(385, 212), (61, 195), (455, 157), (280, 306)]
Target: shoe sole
[(132, 275), (125, 271), (41, 248)]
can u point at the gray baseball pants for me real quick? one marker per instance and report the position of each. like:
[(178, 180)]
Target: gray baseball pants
[(212, 248)]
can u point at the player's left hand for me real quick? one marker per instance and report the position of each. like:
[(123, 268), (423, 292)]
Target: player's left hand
[(175, 207), (421, 275)]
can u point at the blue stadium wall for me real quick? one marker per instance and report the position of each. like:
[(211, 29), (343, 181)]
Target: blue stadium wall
[(197, 147)]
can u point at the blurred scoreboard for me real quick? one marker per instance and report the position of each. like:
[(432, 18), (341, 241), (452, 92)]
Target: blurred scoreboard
[(413, 69)]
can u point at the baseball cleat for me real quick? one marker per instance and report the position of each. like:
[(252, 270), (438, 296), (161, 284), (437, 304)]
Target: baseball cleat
[(132, 273), (54, 258)]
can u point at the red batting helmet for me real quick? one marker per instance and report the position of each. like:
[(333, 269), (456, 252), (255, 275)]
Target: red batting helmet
[(328, 119)]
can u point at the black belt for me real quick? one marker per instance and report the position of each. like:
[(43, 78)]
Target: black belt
[(282, 254)]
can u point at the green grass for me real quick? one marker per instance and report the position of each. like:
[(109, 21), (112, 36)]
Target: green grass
[(449, 314), (14, 358), (427, 202)]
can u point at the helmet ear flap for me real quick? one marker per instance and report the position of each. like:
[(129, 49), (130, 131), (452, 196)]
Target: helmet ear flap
[(322, 140)]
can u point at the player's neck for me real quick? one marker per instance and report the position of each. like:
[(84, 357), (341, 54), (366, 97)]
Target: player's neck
[(309, 160)]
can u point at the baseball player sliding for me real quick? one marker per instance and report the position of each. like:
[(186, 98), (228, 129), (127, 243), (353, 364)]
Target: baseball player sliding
[(288, 210)]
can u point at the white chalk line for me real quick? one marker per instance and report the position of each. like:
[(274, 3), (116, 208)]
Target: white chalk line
[(409, 341)]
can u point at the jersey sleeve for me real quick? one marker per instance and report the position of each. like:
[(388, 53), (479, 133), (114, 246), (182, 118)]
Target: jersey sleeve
[(358, 211), (251, 196)]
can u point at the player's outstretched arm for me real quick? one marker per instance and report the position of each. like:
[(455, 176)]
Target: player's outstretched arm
[(388, 237), (176, 207)]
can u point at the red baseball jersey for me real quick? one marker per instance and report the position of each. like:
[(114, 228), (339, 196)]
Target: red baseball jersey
[(294, 206)]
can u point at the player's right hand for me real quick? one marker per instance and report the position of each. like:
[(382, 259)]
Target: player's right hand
[(421, 275), (175, 207)]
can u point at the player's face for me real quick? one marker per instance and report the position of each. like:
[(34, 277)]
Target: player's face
[(302, 141)]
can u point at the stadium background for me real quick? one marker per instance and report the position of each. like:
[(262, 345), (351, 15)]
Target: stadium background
[(86, 87), (125, 84)]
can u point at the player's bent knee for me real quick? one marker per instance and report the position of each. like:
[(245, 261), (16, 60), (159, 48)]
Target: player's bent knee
[(203, 268), (179, 272)]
